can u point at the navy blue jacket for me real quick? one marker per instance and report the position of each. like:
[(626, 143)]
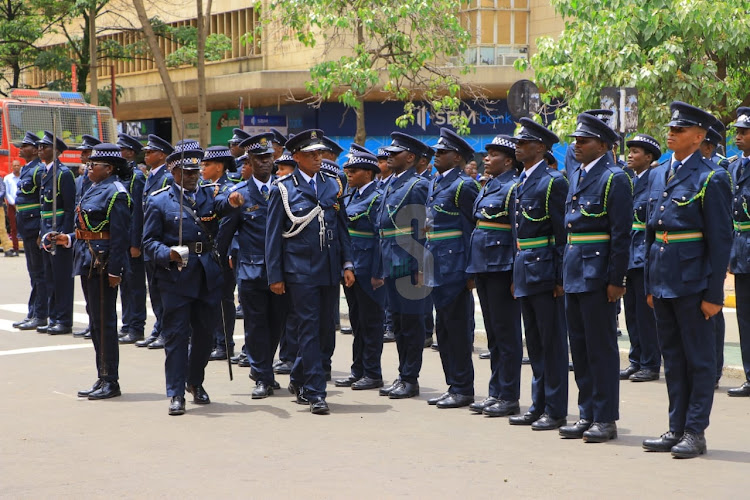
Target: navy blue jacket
[(601, 203), (66, 199), (739, 258), (98, 212), (491, 246), (27, 199), (641, 187), (539, 215), (154, 182), (310, 257), (679, 269), (135, 185), (362, 216)]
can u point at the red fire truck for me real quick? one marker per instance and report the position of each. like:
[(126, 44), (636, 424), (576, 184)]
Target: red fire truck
[(33, 110)]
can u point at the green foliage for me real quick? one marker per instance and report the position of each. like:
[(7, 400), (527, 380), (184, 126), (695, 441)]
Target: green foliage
[(403, 47), (691, 50)]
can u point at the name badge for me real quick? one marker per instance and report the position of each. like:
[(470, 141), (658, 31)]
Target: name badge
[(252, 209)]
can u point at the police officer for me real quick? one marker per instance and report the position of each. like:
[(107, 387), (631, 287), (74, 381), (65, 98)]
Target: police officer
[(598, 221), (450, 220), (605, 115), (278, 142), (739, 260), (491, 263), (645, 357), (58, 266), (401, 222), (187, 272), (367, 296), (133, 287), (27, 222), (217, 161), (156, 152), (265, 312), (238, 135), (307, 248), (688, 240), (382, 181), (539, 229), (82, 180), (424, 169), (102, 240)]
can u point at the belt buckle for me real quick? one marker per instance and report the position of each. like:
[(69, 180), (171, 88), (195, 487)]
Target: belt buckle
[(199, 247), (665, 237)]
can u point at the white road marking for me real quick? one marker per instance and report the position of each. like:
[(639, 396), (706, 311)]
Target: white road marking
[(50, 348)]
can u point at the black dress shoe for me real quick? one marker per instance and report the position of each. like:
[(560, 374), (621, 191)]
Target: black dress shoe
[(218, 354), (345, 382), (485, 355), (576, 430), (275, 386), (600, 432), (177, 405), (32, 324), (122, 333), (502, 408), (285, 368), (527, 418), (157, 344), (130, 338), (239, 313), (83, 333), (58, 329), (525, 360), (145, 342), (19, 323), (200, 396), (644, 375), (108, 389), (428, 342), (455, 401), (318, 406), (236, 359), (690, 446), (435, 400), (43, 328), (435, 347), (385, 391), (244, 362), (478, 406), (389, 336), (262, 390), (297, 391), (663, 443), (547, 423), (11, 253), (87, 334), (404, 390), (627, 372), (742, 391), (366, 383), (346, 330), (85, 393)]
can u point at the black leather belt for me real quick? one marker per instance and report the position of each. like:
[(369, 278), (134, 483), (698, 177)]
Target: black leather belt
[(197, 247)]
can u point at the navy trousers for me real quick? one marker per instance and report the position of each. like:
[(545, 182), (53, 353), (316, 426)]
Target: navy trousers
[(720, 332), (547, 346), (596, 359), (455, 337), (502, 322), (265, 315), (155, 296), (742, 290), (38, 301), (101, 300), (224, 332), (689, 349), (313, 310), (429, 319), (58, 276), (641, 324), (133, 297), (408, 326), (366, 317)]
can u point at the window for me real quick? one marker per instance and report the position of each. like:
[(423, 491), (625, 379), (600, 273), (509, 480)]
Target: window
[(499, 31)]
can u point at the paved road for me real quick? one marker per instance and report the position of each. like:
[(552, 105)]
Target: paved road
[(56, 445)]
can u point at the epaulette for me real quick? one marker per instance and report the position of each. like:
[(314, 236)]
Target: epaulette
[(284, 177), (120, 187), (237, 186), (159, 190), (329, 174), (210, 184)]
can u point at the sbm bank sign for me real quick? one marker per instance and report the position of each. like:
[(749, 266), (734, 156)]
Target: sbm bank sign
[(495, 119)]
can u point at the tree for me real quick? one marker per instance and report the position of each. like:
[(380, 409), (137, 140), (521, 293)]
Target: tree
[(694, 51), (400, 48)]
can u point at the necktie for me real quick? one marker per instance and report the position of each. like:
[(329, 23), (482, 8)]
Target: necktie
[(581, 176), (356, 195), (438, 177), (264, 191), (312, 185), (743, 166), (673, 170), (521, 180)]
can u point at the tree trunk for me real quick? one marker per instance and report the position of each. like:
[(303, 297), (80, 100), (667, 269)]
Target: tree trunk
[(361, 134), (203, 122), (94, 92), (161, 65)]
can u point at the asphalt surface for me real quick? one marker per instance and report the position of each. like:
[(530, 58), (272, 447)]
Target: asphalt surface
[(55, 445)]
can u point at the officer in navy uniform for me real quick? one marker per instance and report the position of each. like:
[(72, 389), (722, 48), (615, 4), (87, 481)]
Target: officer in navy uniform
[(58, 267), (133, 287), (449, 225), (367, 296), (491, 263), (645, 356), (27, 224), (401, 221), (278, 142), (101, 247), (82, 180), (688, 241), (605, 115), (187, 272), (217, 162), (238, 135), (739, 259), (424, 169), (539, 231), (382, 180), (265, 312), (307, 248), (332, 150), (598, 221), (156, 151)]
